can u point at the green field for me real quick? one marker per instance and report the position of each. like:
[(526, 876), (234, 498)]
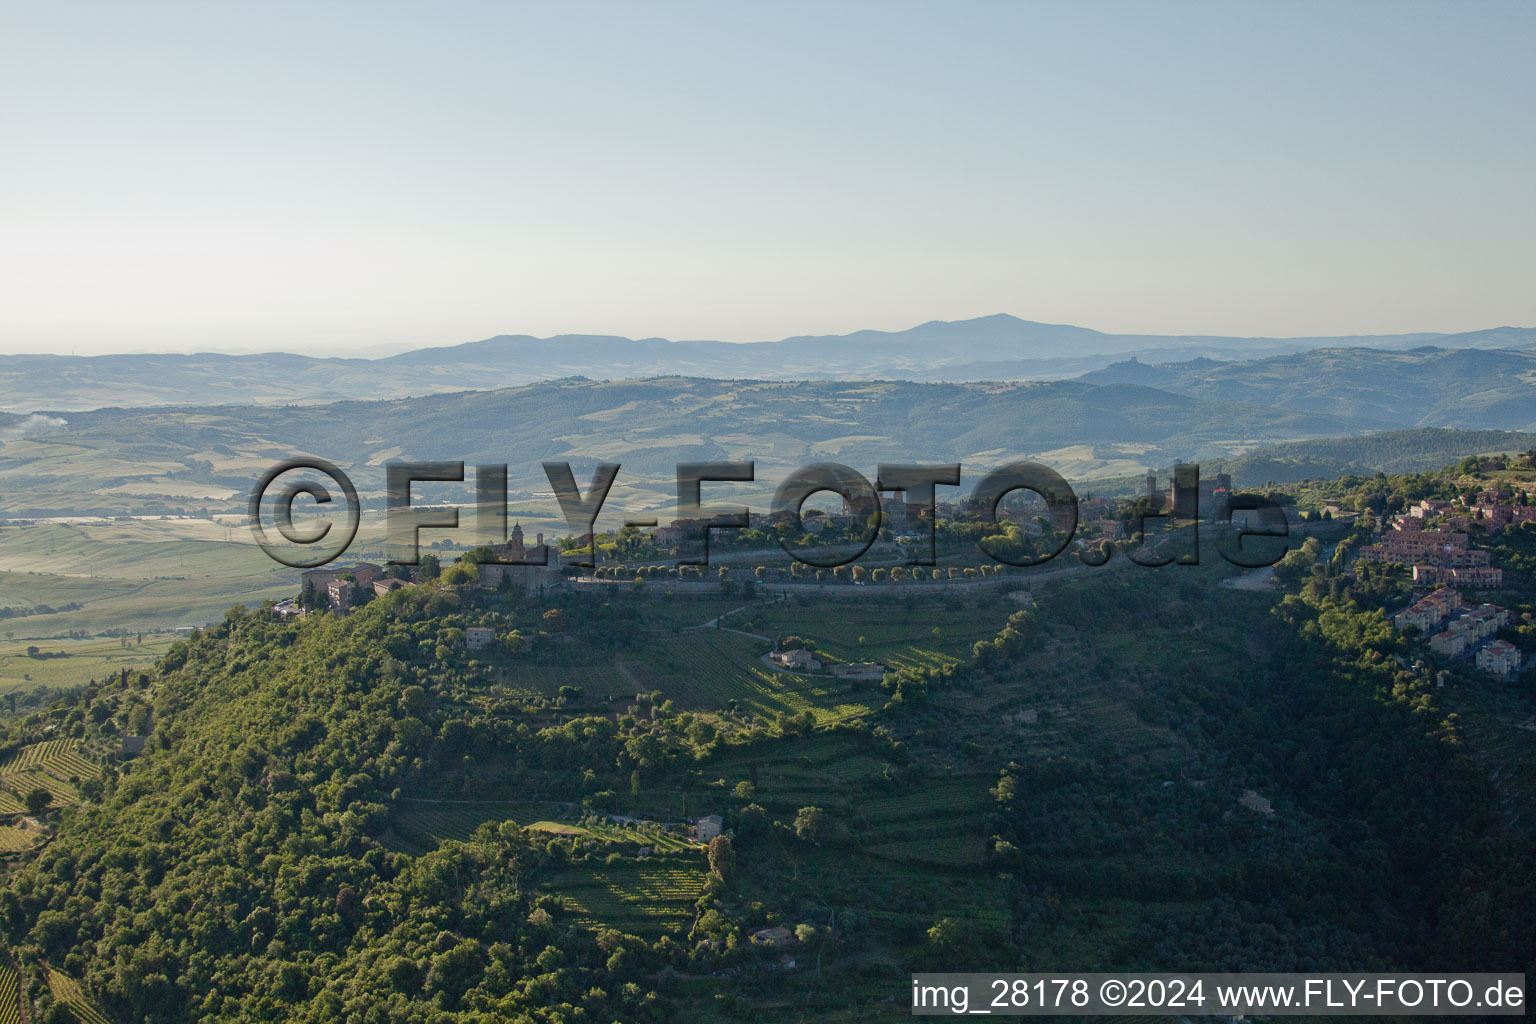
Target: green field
[(139, 549), (85, 660), (139, 575)]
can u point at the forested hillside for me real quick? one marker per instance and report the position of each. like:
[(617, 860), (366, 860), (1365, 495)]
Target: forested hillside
[(359, 818)]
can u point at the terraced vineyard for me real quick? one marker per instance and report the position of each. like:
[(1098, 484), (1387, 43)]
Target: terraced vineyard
[(424, 825), (933, 800), (10, 994), (824, 770), (14, 840), (809, 750), (428, 824), (661, 842), (959, 849), (67, 990), (56, 766), (895, 636), (938, 823), (927, 894), (711, 668), (857, 768), (53, 754), (546, 680), (645, 897)]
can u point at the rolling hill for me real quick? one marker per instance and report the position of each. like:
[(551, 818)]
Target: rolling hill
[(999, 347), (1471, 389), (1394, 451), (148, 461)]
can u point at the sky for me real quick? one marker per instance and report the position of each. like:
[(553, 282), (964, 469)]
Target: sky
[(333, 177)]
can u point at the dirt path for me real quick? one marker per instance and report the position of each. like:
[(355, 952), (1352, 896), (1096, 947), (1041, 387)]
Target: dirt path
[(714, 623)]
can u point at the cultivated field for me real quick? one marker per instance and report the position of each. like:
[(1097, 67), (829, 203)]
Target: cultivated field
[(14, 840), (596, 681), (136, 575), (712, 668), (644, 897), (10, 994), (660, 841), (56, 766), (82, 661), (883, 631), (67, 990), (425, 824)]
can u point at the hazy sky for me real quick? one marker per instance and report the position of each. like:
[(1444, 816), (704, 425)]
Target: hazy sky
[(326, 176)]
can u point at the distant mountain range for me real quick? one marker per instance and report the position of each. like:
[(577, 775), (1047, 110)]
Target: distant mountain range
[(155, 434), (987, 348)]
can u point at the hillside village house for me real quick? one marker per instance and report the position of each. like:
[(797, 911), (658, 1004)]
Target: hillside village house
[(1492, 509), (800, 660), (707, 827), (1427, 613), (669, 536), (1429, 508), (1448, 644), (1482, 578), (316, 581), (1464, 628), (1500, 658), (776, 937), (1439, 558), (339, 595), (355, 578), (1109, 529), (477, 638), (1430, 547)]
